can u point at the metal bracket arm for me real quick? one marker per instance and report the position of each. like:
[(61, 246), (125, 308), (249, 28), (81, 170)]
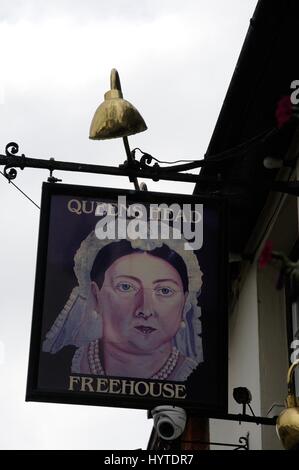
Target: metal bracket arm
[(131, 168)]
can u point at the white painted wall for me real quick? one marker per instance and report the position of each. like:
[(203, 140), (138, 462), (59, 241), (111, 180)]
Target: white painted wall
[(273, 346), (258, 349), (243, 366), (273, 349)]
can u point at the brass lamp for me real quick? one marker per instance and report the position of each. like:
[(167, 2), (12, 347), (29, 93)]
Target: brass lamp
[(115, 117), (287, 424)]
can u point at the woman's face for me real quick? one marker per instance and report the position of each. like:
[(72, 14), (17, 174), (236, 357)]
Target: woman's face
[(141, 302)]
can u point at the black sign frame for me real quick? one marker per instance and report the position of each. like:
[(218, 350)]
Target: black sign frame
[(208, 383)]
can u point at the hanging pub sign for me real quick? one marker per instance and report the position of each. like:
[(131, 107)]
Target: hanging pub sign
[(130, 300)]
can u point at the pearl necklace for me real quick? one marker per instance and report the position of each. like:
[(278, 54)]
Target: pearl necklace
[(96, 367)]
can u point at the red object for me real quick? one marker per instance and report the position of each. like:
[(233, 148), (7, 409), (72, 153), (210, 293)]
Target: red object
[(266, 254), (284, 111)]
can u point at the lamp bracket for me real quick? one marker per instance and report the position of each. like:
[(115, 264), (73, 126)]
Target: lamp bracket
[(133, 169), (243, 443)]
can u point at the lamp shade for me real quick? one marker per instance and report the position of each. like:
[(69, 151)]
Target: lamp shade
[(115, 117)]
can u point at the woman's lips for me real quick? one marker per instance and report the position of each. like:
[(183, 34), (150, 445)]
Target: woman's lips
[(145, 330)]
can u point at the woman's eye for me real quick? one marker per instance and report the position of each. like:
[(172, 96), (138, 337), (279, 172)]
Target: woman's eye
[(165, 291), (125, 287)]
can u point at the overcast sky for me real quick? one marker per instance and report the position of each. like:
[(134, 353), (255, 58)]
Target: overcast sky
[(175, 61)]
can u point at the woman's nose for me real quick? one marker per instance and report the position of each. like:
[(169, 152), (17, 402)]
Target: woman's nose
[(145, 308)]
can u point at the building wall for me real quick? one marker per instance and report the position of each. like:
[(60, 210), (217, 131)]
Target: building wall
[(243, 366), (273, 350), (273, 346), (258, 349)]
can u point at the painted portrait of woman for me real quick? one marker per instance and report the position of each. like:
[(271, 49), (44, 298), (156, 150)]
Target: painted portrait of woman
[(135, 311)]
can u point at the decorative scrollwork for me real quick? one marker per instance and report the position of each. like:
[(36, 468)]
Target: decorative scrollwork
[(244, 443), (10, 174), (156, 170), (145, 162), (14, 149), (11, 150)]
